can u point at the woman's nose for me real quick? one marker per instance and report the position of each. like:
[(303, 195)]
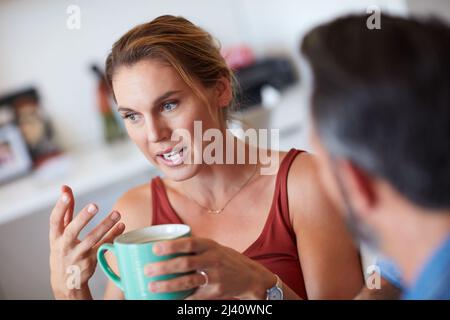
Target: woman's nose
[(157, 131)]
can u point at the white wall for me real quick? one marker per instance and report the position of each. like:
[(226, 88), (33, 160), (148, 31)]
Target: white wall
[(38, 49)]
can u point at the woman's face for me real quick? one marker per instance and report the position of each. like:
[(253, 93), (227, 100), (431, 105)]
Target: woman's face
[(154, 101)]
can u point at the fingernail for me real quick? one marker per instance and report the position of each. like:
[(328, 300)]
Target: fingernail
[(65, 198), (157, 249), (115, 216), (153, 287), (148, 271), (92, 208)]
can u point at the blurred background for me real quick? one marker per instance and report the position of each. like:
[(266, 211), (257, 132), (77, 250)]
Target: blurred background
[(57, 120)]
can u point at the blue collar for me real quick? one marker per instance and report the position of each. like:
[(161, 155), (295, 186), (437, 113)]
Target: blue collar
[(434, 280)]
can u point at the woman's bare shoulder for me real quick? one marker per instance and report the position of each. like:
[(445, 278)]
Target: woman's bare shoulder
[(135, 207), (324, 244), (307, 197), (303, 169)]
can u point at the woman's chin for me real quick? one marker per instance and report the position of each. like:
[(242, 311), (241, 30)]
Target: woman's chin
[(179, 173)]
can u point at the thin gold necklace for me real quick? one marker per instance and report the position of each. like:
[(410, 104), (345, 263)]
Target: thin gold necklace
[(218, 211)]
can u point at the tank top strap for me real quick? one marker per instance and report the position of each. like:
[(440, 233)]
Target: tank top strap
[(162, 211), (281, 189)]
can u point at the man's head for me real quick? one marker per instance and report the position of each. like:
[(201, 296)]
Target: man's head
[(381, 114)]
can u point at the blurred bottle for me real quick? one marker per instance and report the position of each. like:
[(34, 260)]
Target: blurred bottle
[(112, 130)]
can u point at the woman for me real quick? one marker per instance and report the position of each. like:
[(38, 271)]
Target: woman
[(249, 229)]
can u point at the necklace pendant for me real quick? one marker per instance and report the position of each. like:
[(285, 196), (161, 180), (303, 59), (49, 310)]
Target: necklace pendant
[(215, 211)]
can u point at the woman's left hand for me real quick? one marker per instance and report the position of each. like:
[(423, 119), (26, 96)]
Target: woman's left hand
[(230, 274)]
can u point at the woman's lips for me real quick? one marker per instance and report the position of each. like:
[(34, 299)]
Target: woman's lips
[(172, 158)]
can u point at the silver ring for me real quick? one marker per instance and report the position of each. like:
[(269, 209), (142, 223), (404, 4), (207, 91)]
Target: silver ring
[(205, 276)]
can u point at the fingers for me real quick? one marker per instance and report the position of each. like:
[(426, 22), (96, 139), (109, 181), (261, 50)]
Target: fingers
[(186, 282), (79, 222), (182, 245), (176, 265), (202, 294), (210, 287), (57, 215), (69, 212), (99, 232), (109, 238)]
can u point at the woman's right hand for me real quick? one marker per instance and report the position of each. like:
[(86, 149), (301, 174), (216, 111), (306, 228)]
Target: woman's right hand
[(73, 261)]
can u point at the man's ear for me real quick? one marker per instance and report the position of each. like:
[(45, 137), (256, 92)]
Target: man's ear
[(224, 92), (359, 186)]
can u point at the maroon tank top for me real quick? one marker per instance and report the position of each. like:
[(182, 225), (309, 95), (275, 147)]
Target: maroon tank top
[(276, 246)]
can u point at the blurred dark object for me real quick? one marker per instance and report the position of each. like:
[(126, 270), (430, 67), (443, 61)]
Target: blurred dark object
[(278, 73), (112, 130), (32, 122)]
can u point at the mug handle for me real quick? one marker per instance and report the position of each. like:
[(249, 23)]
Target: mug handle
[(105, 266)]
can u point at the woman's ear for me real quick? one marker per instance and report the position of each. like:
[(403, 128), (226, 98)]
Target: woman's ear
[(224, 92)]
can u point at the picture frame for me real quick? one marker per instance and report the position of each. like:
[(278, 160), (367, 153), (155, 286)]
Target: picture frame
[(15, 159), (32, 121)]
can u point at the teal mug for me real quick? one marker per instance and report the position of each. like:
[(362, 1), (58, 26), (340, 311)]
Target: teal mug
[(133, 251)]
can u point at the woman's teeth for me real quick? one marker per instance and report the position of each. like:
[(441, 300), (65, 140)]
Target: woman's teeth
[(173, 156)]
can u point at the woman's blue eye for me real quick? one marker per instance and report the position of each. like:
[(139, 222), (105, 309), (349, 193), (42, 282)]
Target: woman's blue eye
[(169, 106), (130, 116)]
